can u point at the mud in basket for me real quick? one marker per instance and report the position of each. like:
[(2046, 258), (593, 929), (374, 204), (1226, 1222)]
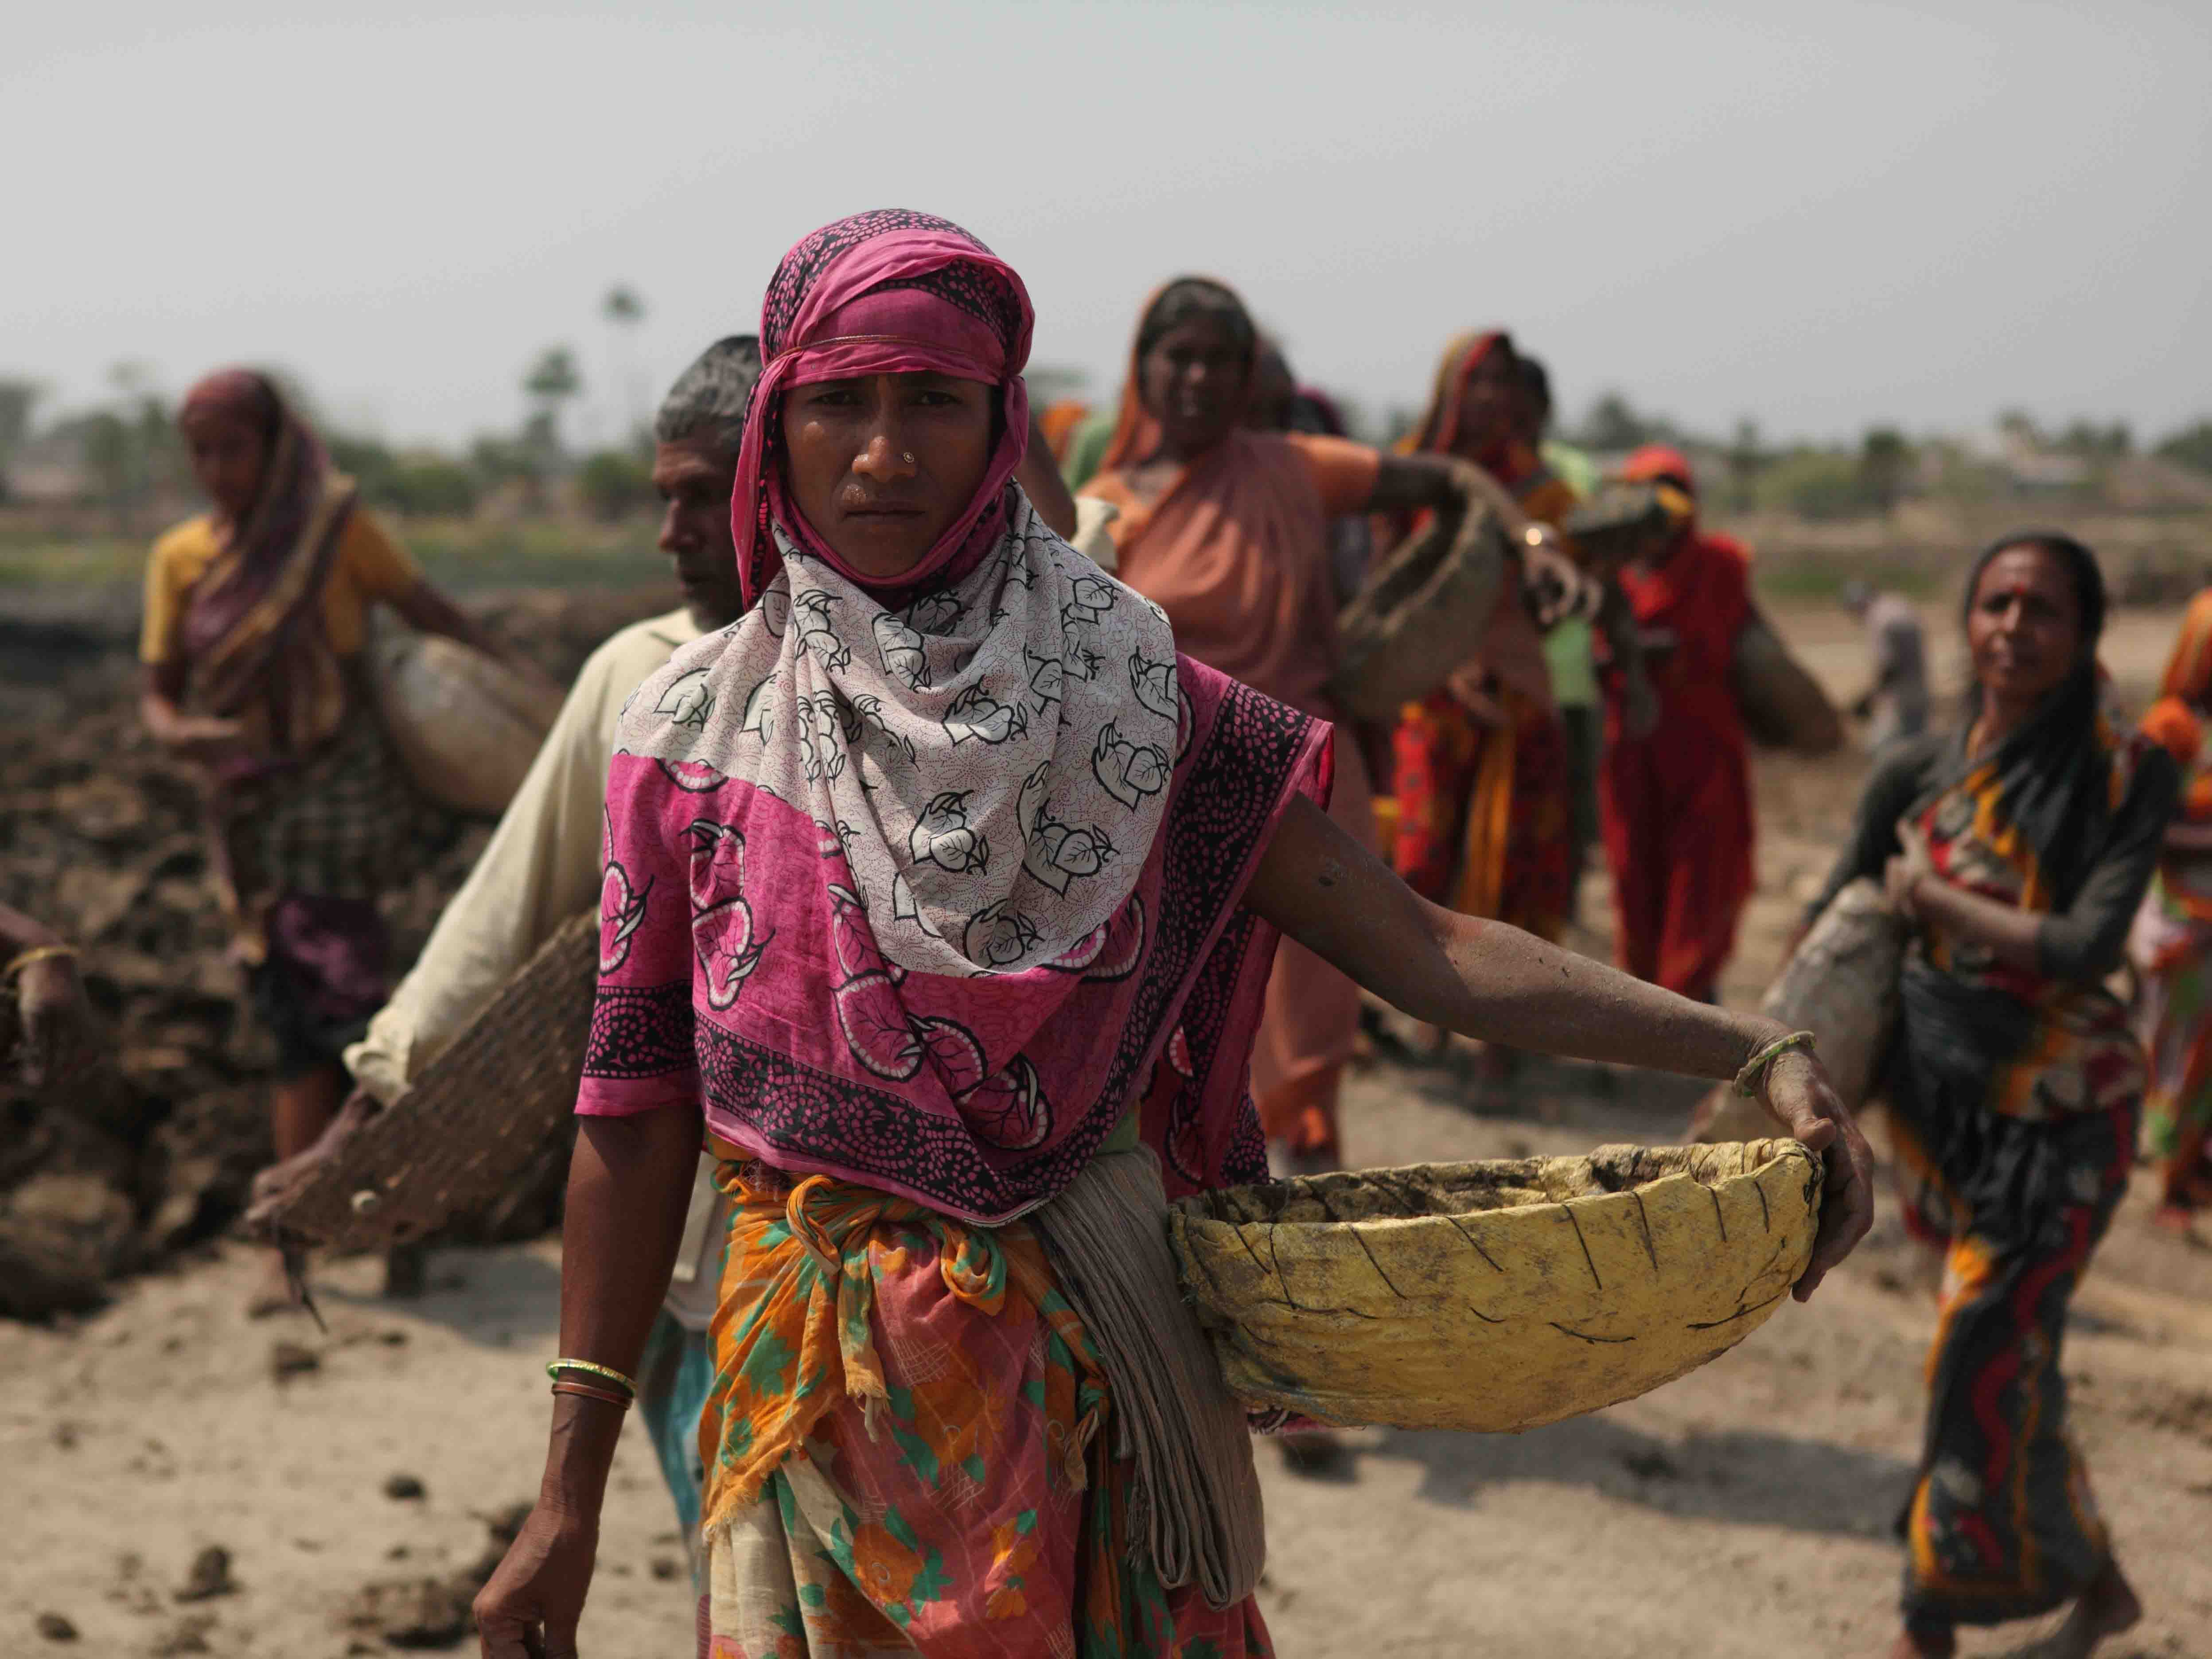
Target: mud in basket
[(1417, 618), (480, 1115), (1494, 1295)]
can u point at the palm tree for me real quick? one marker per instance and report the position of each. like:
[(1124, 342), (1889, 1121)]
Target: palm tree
[(551, 381), (623, 312)]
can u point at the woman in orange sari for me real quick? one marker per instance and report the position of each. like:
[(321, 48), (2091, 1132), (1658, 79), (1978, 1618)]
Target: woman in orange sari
[(1226, 529), (1483, 777)]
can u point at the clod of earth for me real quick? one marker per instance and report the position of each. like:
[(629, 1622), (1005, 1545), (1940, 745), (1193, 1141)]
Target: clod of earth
[(54, 1628), (187, 1636), (210, 1577), (153, 1150), (404, 1488), (290, 1359), (416, 1614)]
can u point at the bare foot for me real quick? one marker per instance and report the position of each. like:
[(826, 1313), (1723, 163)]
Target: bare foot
[(406, 1272), (2175, 1218), (272, 1289), (2108, 1607), (1924, 1644)]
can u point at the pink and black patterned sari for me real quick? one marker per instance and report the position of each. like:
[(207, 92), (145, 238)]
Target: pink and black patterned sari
[(930, 897)]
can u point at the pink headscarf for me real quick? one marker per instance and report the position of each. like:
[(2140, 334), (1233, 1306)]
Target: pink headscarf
[(889, 292)]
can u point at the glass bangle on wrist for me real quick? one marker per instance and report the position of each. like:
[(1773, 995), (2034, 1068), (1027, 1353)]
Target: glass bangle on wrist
[(37, 953), (590, 1368), (1754, 1069), (584, 1391)]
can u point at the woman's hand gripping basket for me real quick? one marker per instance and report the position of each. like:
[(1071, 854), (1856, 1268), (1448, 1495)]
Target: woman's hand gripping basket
[(1496, 1295)]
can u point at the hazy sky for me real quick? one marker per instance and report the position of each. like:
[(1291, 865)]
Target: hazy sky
[(1820, 216)]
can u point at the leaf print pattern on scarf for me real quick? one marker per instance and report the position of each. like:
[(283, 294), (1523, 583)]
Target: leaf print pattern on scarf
[(1009, 1109), (1154, 682), (1044, 679), (943, 837), (1130, 772), (687, 701), (976, 715), (955, 712), (815, 631), (1058, 852), (620, 910), (722, 920), (899, 647)]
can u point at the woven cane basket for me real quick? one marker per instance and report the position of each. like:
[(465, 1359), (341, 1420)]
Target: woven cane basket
[(1496, 1295), (1416, 617), (478, 1118)]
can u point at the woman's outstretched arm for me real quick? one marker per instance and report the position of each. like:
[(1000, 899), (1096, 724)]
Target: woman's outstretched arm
[(1485, 979)]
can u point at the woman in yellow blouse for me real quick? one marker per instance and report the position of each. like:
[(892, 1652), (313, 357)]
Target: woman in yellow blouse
[(255, 617)]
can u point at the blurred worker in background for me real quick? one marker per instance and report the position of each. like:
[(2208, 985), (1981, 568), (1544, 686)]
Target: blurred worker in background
[(1674, 801), (2171, 941), (1896, 704), (1227, 530), (1569, 645), (255, 619), (1481, 774), (51, 1020)]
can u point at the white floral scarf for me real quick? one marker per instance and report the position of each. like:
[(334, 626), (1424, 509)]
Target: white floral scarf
[(994, 756)]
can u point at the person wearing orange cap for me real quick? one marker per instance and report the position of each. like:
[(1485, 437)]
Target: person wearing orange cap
[(1674, 804)]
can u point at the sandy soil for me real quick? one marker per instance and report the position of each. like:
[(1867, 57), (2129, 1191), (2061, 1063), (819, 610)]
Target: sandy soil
[(1745, 1510)]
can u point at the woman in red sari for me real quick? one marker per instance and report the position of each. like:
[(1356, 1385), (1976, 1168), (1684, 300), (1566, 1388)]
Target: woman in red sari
[(1483, 778), (1674, 804)]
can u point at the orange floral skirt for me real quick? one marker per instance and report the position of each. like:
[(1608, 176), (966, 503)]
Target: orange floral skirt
[(909, 1447)]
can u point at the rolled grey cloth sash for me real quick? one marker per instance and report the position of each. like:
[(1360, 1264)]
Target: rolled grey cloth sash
[(1195, 1506)]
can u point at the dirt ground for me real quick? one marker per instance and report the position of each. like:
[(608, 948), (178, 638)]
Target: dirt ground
[(1745, 1510)]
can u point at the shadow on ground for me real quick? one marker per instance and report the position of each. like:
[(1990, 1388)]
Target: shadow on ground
[(1744, 1477), (503, 1295)]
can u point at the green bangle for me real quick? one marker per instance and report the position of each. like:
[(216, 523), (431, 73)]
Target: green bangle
[(1747, 1079), (557, 1366)]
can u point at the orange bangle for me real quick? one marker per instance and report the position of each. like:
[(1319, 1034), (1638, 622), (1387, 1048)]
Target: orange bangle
[(587, 1391)]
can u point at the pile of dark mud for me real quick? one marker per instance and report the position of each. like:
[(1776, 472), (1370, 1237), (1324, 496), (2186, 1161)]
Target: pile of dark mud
[(150, 1147)]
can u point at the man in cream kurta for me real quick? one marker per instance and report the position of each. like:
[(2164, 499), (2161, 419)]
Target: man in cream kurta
[(541, 866)]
